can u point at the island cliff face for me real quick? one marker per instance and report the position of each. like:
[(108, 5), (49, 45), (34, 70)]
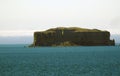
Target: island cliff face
[(72, 37)]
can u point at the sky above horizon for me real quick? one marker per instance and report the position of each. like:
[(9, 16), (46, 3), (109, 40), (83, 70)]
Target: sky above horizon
[(23, 17)]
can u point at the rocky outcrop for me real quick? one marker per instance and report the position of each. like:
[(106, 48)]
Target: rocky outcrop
[(72, 37)]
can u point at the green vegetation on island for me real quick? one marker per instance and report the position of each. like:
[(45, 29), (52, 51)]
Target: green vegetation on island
[(72, 36)]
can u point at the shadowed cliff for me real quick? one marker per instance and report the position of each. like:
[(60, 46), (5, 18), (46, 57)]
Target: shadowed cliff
[(72, 37)]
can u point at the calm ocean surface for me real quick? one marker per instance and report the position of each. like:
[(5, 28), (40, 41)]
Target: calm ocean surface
[(17, 60)]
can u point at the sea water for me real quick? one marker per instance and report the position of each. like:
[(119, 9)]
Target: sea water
[(17, 60)]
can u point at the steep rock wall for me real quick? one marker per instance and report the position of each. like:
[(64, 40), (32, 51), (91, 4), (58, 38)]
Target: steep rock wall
[(72, 37)]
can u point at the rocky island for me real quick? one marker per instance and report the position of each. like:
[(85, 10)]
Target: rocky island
[(72, 36)]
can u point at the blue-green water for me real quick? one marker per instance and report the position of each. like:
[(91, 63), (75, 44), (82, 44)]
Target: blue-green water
[(17, 60)]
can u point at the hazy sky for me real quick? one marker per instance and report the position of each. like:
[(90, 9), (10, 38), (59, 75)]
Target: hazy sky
[(23, 17)]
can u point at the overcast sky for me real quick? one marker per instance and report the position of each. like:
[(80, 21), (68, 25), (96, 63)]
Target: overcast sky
[(23, 17)]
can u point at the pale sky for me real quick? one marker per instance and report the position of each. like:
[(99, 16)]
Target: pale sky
[(23, 17)]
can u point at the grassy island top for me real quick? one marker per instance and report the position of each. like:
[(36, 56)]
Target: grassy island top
[(75, 29)]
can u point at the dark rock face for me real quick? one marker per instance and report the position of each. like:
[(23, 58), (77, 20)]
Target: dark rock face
[(72, 37)]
